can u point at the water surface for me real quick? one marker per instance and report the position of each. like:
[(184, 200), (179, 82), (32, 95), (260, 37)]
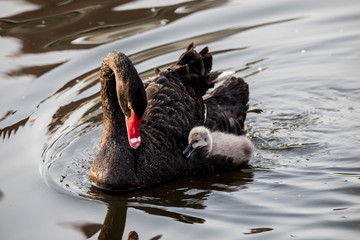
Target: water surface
[(300, 59)]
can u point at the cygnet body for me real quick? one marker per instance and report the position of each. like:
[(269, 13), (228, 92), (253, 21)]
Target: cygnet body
[(239, 148)]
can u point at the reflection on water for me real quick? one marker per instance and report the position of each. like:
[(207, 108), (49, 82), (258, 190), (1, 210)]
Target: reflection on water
[(300, 60), (12, 129), (88, 229), (191, 192), (258, 230), (85, 24), (114, 223), (164, 201)]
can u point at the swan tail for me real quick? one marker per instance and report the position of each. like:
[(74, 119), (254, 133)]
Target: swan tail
[(194, 69), (227, 106)]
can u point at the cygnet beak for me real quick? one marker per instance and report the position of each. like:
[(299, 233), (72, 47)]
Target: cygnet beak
[(188, 150)]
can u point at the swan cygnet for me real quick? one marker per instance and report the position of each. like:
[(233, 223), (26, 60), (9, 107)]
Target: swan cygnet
[(239, 148)]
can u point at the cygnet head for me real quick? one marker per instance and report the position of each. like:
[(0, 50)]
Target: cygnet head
[(199, 137)]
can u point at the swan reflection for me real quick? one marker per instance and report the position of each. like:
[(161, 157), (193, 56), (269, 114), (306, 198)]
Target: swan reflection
[(167, 199)]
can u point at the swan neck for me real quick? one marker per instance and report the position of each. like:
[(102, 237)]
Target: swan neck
[(113, 117), (210, 143)]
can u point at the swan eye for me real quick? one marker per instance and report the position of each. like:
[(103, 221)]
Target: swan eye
[(196, 140), (128, 111)]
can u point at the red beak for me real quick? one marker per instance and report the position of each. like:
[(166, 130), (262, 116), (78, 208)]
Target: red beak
[(133, 130)]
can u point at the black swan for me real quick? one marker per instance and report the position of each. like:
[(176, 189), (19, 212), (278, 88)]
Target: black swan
[(239, 148), (146, 125)]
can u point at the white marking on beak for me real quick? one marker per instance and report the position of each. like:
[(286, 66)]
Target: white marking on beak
[(135, 142)]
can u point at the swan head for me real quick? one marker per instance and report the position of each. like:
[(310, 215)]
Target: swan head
[(130, 92), (134, 114), (199, 138)]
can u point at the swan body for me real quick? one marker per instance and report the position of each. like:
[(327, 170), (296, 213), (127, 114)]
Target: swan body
[(146, 124), (238, 148)]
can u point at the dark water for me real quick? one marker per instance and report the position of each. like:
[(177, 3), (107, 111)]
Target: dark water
[(301, 60)]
